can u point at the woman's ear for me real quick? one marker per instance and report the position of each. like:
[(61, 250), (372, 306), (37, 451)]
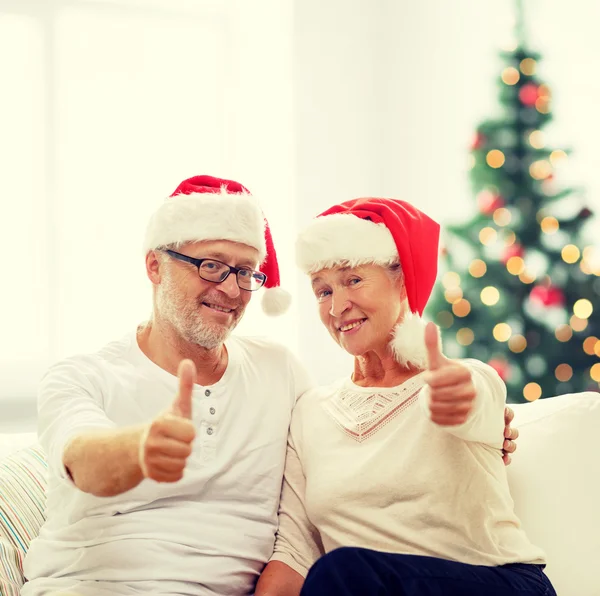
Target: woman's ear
[(402, 289)]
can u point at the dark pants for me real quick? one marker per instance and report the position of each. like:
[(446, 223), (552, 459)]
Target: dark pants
[(362, 572)]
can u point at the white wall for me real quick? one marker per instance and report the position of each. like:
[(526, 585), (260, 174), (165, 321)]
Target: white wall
[(340, 131), (95, 134)]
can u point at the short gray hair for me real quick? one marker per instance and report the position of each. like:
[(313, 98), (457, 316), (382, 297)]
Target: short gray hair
[(395, 271)]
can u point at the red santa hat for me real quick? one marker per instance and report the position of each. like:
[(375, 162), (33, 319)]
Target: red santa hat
[(380, 231), (208, 208)]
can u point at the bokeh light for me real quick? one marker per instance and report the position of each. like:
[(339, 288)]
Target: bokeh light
[(517, 344), (502, 216), (495, 158), (556, 156), (461, 308), (532, 391), (465, 336), (578, 324), (563, 333), (490, 295), (570, 254), (488, 236), (515, 265), (477, 268), (453, 295), (549, 225), (563, 372), (510, 76), (528, 66), (589, 345), (502, 332), (541, 169), (451, 279), (583, 308), (537, 139)]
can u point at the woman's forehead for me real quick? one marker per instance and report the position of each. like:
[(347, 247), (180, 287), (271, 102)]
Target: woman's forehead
[(342, 269)]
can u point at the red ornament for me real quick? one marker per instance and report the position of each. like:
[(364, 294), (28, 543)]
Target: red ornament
[(514, 250), (501, 367), (528, 94), (547, 296), (478, 141), (488, 202)]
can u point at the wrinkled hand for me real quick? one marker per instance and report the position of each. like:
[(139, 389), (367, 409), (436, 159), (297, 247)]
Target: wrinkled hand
[(510, 436), (167, 441), (452, 392)]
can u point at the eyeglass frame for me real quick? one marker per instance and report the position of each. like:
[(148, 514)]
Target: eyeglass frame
[(198, 263)]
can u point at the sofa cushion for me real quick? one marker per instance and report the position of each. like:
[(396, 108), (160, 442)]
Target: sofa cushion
[(22, 503), (555, 483)]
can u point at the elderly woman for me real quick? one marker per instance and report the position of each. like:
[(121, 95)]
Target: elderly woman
[(394, 481)]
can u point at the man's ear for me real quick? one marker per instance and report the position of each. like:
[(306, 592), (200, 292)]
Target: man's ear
[(153, 267)]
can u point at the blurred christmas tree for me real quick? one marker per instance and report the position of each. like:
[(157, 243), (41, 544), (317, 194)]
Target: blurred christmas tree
[(521, 279)]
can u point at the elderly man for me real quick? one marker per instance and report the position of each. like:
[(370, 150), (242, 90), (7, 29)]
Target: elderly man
[(120, 426), (166, 448)]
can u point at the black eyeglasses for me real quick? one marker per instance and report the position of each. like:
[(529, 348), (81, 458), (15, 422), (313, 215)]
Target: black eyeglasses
[(217, 272)]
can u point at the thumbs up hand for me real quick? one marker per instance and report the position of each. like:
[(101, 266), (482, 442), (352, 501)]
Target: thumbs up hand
[(182, 405), (452, 392), (167, 441)]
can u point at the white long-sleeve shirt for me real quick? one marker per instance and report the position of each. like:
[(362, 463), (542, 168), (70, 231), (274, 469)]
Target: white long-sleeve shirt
[(366, 467), (212, 532)]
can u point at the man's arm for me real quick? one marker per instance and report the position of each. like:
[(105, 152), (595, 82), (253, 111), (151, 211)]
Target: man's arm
[(279, 579), (105, 463), (510, 436), (83, 445)]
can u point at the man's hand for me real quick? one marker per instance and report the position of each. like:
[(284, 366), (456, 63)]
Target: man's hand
[(510, 436), (452, 392), (167, 441)]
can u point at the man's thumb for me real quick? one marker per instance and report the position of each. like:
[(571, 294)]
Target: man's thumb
[(182, 406), (432, 343)]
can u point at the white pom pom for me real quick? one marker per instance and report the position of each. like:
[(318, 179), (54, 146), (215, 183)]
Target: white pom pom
[(408, 344), (275, 301)]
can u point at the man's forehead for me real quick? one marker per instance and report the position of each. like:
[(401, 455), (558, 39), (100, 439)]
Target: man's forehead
[(220, 256), (226, 251)]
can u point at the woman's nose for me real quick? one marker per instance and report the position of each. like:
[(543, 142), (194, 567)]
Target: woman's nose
[(339, 305)]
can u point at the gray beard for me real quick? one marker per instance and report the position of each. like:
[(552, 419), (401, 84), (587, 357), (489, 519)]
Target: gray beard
[(187, 321), (206, 336)]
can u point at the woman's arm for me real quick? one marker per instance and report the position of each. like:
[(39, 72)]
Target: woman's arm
[(279, 579), (298, 543)]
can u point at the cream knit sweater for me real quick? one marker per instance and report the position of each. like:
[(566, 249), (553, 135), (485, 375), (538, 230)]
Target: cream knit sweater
[(366, 467)]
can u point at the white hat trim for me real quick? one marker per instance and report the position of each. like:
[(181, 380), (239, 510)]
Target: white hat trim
[(207, 216), (343, 238), (408, 342)]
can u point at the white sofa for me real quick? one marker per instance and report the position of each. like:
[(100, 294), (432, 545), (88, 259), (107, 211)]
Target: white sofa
[(554, 477)]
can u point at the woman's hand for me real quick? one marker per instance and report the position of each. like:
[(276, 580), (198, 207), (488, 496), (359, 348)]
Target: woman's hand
[(452, 392)]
